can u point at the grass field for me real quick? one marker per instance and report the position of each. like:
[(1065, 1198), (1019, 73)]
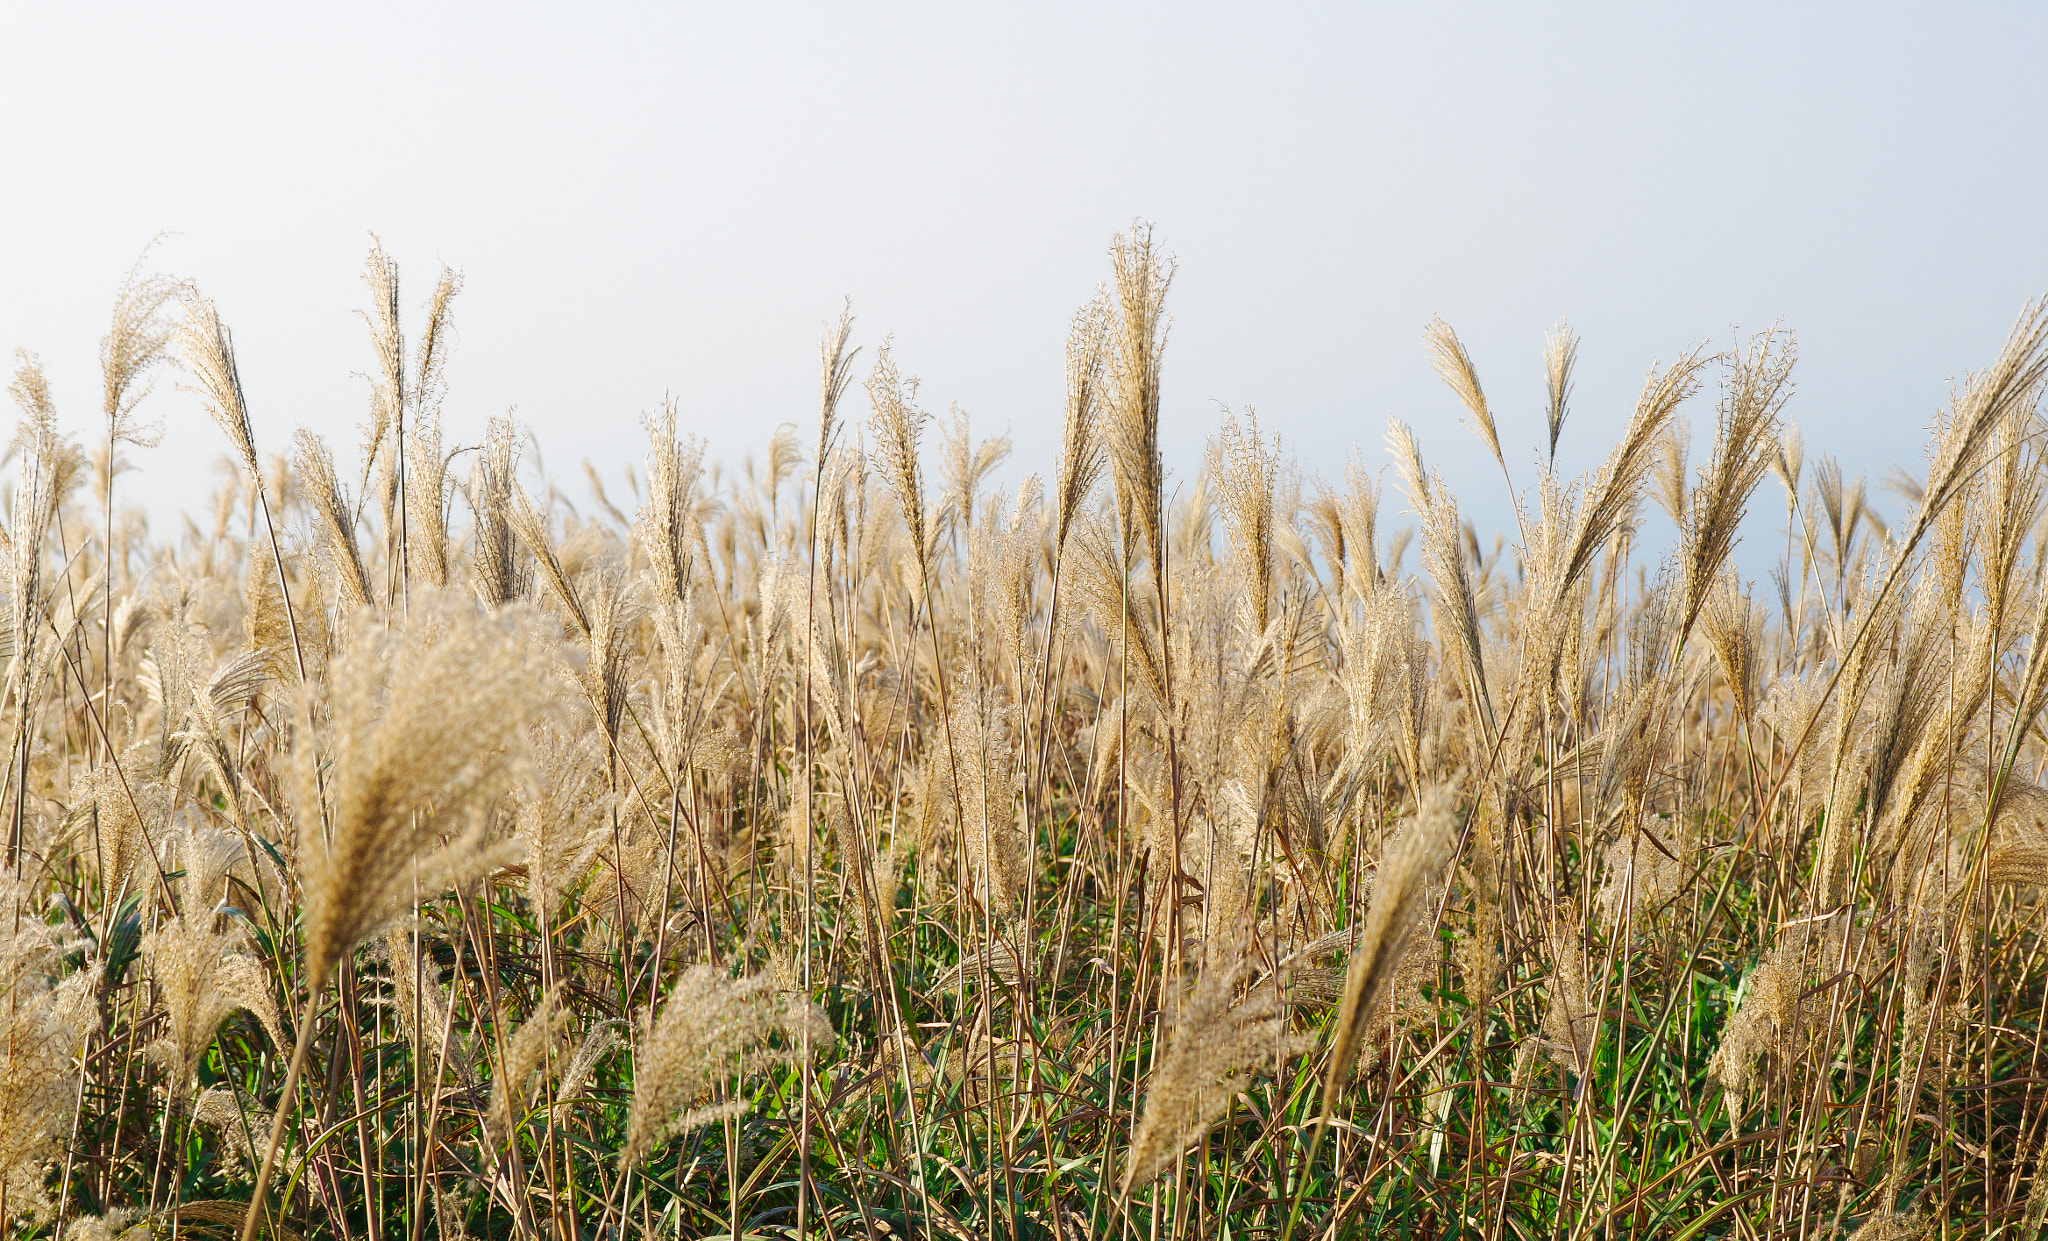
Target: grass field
[(842, 847)]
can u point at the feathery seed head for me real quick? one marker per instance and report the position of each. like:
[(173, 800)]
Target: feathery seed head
[(562, 818), (314, 464), (2013, 382), (1560, 354), (966, 464), (1757, 385), (2021, 863), (666, 527), (436, 342), (1671, 479), (51, 466), (43, 1025), (495, 570), (131, 814), (898, 422), (115, 1225), (137, 340), (427, 727), (1218, 1043), (426, 499), (387, 399), (1571, 1020), (527, 1052), (1138, 328), (1734, 626), (422, 1006), (1399, 903), (237, 1118), (1788, 462), (1248, 472), (711, 1028), (835, 365), (1447, 357), (1081, 446), (985, 785), (1444, 557), (202, 976), (1617, 488), (208, 352), (531, 524)]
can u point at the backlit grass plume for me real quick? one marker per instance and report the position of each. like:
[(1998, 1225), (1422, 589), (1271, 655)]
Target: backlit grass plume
[(208, 352), (1759, 383), (1454, 366), (1081, 447), (1137, 336), (712, 1028), (138, 340), (425, 725), (898, 424), (43, 1032), (1560, 355), (1399, 903), (314, 463), (1219, 1040), (203, 975)]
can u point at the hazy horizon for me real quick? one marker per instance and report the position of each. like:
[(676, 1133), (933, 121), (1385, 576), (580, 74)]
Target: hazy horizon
[(674, 204)]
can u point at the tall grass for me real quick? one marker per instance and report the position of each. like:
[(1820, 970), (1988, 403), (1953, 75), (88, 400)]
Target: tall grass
[(837, 849)]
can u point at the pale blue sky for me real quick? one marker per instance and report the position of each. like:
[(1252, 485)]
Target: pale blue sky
[(674, 199)]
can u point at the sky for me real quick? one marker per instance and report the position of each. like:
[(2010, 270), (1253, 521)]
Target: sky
[(672, 200)]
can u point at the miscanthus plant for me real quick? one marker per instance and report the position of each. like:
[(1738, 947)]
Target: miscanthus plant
[(846, 846)]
